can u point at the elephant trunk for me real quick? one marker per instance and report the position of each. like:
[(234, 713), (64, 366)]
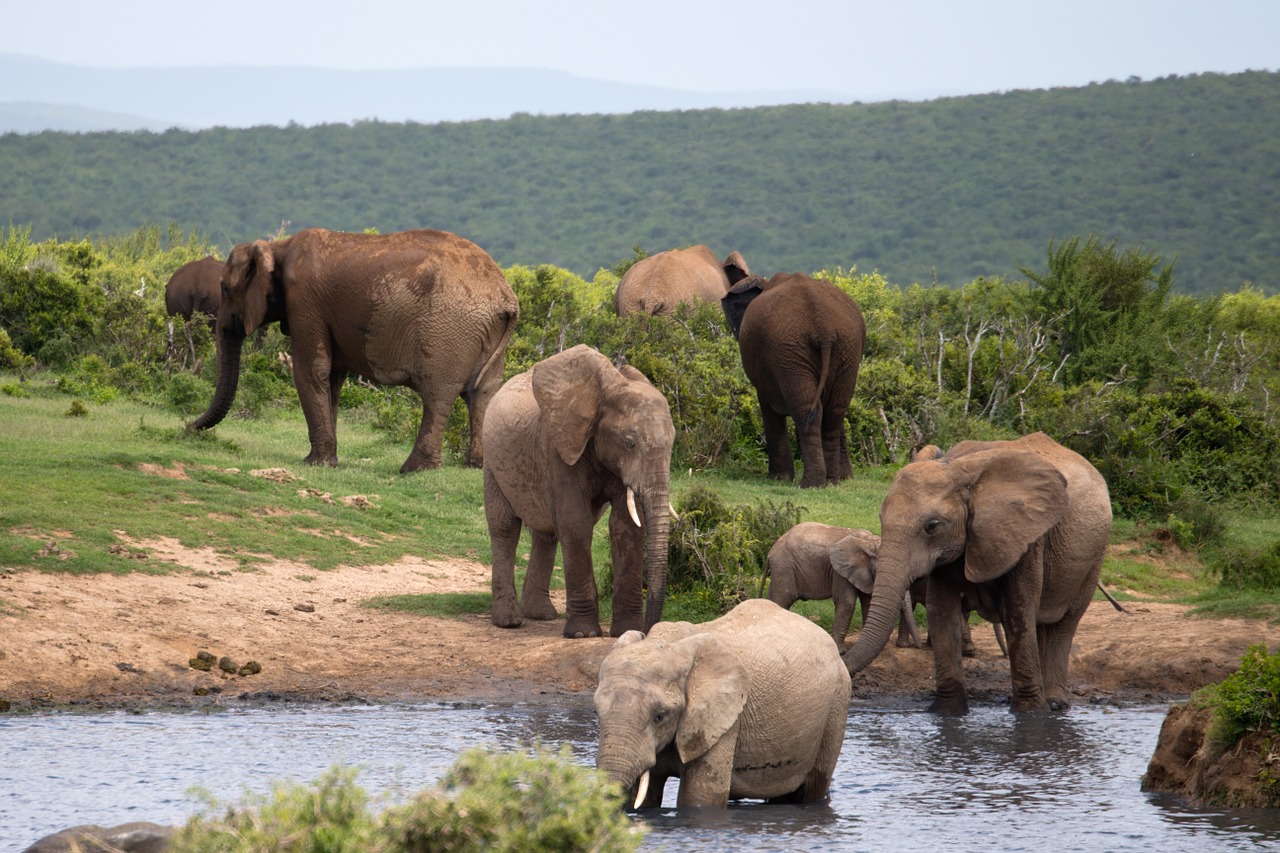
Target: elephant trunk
[(229, 346), (624, 766), (658, 516), (891, 585)]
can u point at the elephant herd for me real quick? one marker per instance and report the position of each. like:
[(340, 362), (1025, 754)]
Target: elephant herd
[(752, 704)]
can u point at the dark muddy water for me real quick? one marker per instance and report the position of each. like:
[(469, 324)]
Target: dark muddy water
[(906, 779)]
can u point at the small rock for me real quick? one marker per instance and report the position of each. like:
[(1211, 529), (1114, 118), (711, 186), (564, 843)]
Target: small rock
[(305, 608), (273, 612), (127, 667)]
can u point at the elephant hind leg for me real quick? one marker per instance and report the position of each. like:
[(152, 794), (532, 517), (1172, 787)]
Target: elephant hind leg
[(504, 537), (435, 416), (535, 602)]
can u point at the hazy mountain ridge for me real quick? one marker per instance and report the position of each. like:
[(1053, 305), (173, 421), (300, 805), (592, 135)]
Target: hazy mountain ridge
[(234, 96)]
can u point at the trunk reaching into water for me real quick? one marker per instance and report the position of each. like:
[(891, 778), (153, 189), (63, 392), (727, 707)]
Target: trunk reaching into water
[(658, 514), (886, 606), (224, 395)]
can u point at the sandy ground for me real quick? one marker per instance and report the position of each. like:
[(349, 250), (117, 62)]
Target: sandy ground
[(128, 641)]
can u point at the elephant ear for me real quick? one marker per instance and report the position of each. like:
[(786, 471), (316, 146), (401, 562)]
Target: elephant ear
[(735, 268), (1015, 498), (628, 638), (853, 558), (633, 374), (735, 302), (568, 387), (715, 694), (927, 453), (262, 266)]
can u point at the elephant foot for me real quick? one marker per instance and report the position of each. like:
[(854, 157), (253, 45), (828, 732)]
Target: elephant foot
[(622, 626), (578, 629), (969, 650), (950, 707), (505, 613), (414, 463), (541, 610), (313, 458)]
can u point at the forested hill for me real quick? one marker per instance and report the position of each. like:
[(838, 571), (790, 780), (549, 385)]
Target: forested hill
[(951, 189)]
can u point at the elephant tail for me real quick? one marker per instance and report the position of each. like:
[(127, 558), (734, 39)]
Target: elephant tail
[(824, 374), (508, 316)]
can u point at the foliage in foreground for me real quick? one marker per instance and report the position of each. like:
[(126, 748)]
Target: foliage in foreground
[(537, 801), (1247, 701)]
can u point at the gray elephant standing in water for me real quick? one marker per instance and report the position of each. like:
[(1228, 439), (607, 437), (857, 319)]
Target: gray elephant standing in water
[(1017, 529), (750, 705)]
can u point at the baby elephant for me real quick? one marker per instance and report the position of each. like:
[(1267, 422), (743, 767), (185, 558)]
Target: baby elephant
[(750, 705), (813, 561)]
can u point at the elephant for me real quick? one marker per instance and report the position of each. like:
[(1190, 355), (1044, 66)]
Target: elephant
[(658, 283), (801, 343), (425, 309), (1017, 529), (750, 705), (566, 439), (195, 287)]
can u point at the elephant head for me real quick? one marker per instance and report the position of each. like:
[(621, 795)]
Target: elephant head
[(664, 705), (980, 511), (624, 423), (742, 294), (251, 297)]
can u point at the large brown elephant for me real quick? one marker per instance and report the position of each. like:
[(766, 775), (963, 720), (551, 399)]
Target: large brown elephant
[(424, 309), (566, 439), (801, 343), (658, 283), (1017, 530), (195, 286)]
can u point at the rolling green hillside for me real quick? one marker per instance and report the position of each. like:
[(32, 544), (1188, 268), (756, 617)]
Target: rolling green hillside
[(949, 189)]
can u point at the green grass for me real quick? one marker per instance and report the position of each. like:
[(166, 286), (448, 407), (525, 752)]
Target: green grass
[(127, 471)]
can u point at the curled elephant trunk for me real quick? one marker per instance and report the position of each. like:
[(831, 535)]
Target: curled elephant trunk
[(229, 346), (658, 516), (625, 767), (886, 607)]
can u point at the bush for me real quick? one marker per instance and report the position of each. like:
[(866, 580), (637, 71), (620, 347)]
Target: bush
[(717, 554), (486, 802), (1242, 569), (1246, 700)]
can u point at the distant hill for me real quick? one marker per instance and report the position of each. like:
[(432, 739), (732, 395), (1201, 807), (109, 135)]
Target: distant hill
[(231, 96), (945, 190)]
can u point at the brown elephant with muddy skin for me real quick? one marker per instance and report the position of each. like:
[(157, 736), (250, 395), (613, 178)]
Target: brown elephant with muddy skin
[(1016, 529), (658, 283), (801, 342), (425, 309), (195, 287), (565, 440)]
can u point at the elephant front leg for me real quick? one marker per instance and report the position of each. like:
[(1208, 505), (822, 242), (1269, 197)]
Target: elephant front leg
[(582, 614), (707, 780), (945, 615), (504, 536), (535, 601), (312, 377)]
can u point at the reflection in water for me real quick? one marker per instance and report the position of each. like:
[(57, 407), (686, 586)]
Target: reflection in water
[(990, 780)]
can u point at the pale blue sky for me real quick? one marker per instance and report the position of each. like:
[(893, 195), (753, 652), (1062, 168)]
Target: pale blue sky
[(865, 50)]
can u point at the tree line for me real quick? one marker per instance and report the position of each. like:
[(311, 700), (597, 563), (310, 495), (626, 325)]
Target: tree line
[(943, 191)]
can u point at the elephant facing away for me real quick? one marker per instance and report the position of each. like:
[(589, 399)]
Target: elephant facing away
[(658, 283), (195, 287), (801, 342), (425, 309), (565, 440), (750, 705), (1016, 529)]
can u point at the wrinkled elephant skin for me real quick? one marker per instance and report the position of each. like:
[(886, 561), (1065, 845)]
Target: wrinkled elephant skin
[(565, 440), (657, 284), (750, 705), (424, 309)]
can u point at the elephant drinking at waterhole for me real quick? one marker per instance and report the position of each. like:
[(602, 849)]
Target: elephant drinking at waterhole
[(750, 705)]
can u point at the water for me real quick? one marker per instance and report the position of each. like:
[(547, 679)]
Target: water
[(906, 779)]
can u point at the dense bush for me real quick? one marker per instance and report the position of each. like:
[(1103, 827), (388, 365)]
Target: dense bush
[(1246, 700), (486, 802)]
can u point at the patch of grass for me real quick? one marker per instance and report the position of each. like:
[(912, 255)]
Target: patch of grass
[(439, 604)]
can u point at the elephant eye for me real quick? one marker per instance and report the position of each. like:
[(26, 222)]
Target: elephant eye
[(933, 525), (659, 717), (629, 440)]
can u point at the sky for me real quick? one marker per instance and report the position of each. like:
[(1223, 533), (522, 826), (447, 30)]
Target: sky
[(865, 50)]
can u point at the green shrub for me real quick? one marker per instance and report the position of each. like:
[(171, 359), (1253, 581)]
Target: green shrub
[(521, 803), (1247, 700), (1244, 568), (717, 553)]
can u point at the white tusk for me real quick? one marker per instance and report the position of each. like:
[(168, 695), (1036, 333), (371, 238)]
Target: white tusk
[(631, 507), (643, 791), (674, 515)]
